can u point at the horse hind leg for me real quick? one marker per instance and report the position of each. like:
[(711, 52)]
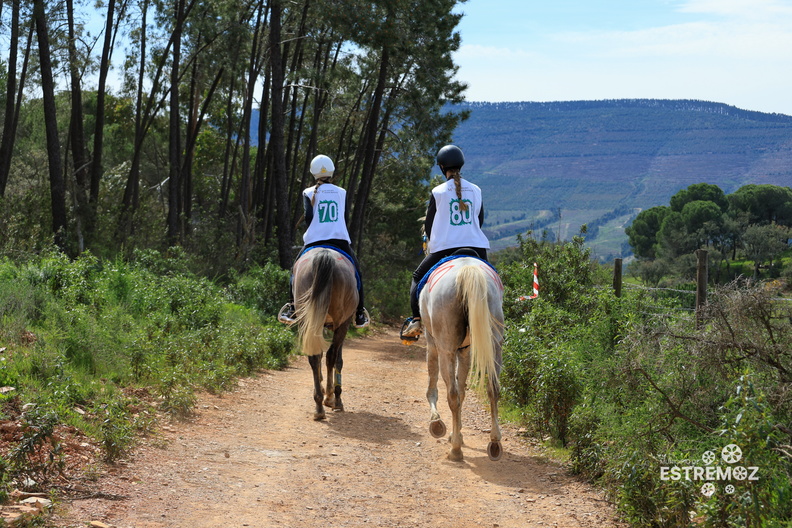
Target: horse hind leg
[(436, 426), (329, 391), (458, 372), (448, 370), (335, 362), (494, 448), (316, 368), (333, 395)]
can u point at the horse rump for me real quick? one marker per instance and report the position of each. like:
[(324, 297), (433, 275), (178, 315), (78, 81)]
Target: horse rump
[(314, 304), (473, 293)]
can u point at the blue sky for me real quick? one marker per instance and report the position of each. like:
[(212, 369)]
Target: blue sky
[(737, 52)]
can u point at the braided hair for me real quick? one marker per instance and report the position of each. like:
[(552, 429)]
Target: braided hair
[(316, 188), (463, 206)]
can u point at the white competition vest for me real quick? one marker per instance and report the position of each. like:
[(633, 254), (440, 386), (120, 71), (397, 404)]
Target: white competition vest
[(328, 214), (452, 227)]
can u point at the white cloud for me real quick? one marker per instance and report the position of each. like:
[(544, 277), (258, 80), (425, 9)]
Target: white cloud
[(742, 9), (756, 40)]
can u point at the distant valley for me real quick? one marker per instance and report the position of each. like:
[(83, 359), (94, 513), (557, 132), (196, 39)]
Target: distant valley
[(555, 166)]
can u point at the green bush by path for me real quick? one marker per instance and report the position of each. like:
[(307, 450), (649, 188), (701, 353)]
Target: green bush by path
[(634, 387), (90, 335)]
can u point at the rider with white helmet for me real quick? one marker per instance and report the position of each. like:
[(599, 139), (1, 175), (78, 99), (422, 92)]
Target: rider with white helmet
[(326, 216)]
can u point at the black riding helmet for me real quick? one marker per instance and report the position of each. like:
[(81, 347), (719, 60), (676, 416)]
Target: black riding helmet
[(450, 157)]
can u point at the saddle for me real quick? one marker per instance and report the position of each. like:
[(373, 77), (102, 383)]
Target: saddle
[(339, 250), (459, 253)]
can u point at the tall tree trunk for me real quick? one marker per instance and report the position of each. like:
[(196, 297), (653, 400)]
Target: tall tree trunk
[(260, 168), (9, 132), (77, 136), (292, 93), (131, 199), (322, 64), (227, 181), (98, 143), (369, 153), (191, 133), (174, 137), (276, 139), (57, 187), (189, 149), (246, 223)]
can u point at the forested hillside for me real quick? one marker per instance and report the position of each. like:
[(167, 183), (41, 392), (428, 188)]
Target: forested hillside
[(562, 164)]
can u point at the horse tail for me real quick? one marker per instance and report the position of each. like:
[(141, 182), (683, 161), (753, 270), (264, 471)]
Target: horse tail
[(472, 290), (315, 303)]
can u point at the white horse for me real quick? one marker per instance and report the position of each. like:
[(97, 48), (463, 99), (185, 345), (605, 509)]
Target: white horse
[(462, 314), (326, 294)]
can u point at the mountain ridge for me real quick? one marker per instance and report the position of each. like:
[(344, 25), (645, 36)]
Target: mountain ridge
[(558, 165)]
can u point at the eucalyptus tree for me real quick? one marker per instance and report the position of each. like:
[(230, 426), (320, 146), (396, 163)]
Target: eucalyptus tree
[(13, 93), (77, 132), (404, 54), (146, 106), (114, 17), (55, 166)]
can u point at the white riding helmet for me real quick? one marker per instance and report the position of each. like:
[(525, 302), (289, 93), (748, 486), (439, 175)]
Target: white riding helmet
[(322, 167)]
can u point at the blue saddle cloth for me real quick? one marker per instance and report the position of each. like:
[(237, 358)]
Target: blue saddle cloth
[(347, 255), (442, 261)]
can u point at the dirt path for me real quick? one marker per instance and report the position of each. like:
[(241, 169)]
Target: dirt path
[(255, 457)]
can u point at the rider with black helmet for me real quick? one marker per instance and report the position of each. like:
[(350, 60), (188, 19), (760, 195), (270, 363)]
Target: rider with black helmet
[(453, 221)]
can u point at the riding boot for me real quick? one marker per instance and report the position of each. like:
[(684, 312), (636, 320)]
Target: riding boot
[(362, 318)]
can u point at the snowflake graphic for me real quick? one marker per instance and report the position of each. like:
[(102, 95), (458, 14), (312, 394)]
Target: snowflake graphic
[(708, 489), (731, 453), (708, 457), (729, 489)]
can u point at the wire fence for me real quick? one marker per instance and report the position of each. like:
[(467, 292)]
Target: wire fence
[(700, 291)]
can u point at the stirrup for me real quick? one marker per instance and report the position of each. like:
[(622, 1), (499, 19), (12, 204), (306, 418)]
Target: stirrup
[(286, 315), (409, 339), (365, 319)]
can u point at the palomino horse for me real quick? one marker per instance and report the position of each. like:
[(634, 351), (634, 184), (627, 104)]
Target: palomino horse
[(462, 314), (326, 294)]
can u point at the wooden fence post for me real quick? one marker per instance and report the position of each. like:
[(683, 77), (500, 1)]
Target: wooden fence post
[(617, 277), (701, 283)]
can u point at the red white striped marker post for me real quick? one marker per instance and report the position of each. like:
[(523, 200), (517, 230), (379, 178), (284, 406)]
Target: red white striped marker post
[(535, 286)]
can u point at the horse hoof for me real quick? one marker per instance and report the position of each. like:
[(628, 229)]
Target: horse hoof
[(437, 428), (319, 416), (338, 408), (455, 455), (494, 451)]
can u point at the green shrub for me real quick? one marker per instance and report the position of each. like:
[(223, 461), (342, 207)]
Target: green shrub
[(77, 331), (749, 423), (264, 288), (541, 374)]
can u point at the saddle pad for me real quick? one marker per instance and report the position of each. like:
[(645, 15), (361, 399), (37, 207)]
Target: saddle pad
[(442, 261), (348, 256)]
